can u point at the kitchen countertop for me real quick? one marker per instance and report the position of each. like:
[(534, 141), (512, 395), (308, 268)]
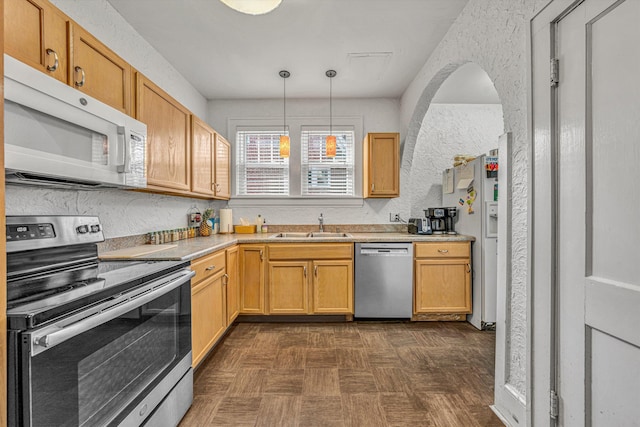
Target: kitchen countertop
[(189, 249)]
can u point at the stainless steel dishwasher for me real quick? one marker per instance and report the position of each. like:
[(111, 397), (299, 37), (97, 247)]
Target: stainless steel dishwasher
[(384, 280)]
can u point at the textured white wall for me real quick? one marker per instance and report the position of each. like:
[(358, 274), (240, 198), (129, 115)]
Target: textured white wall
[(492, 34), (447, 130), (105, 23)]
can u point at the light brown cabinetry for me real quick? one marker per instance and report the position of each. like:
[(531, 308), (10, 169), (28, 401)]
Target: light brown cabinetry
[(222, 168), (443, 279), (381, 165), (168, 138), (310, 278), (208, 303), (252, 259), (233, 284), (202, 158), (97, 71), (38, 34)]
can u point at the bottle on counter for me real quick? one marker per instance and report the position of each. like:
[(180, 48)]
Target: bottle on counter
[(264, 228), (259, 222)]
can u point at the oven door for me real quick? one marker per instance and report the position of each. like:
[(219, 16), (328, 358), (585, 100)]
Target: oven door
[(93, 368)]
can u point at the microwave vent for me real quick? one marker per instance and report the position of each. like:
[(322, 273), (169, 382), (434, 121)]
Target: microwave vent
[(50, 181)]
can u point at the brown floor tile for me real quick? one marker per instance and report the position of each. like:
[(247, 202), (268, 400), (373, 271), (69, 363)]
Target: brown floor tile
[(284, 381), (363, 410), (322, 340), (236, 412), (249, 382), (358, 381), (257, 358), (290, 358), (321, 382), (201, 412), (319, 411), (354, 358), (321, 358), (391, 380), (401, 410), (279, 411)]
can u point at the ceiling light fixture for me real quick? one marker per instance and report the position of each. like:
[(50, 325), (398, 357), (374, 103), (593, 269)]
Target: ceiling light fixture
[(252, 7), (331, 139), (284, 138)]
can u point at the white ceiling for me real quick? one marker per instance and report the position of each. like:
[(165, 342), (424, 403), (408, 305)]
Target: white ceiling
[(376, 46), (469, 84)]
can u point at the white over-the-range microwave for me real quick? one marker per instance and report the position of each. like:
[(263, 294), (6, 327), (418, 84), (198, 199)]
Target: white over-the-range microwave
[(57, 136)]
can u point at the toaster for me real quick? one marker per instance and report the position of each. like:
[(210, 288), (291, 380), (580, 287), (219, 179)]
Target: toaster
[(419, 226)]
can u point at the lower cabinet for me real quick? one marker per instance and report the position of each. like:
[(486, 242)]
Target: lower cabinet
[(215, 299), (442, 278), (252, 279), (310, 279)]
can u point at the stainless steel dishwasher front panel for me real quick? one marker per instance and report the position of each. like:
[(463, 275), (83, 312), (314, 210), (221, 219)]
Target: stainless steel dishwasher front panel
[(384, 280)]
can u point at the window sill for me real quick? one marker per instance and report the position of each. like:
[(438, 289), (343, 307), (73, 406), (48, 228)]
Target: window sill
[(239, 201)]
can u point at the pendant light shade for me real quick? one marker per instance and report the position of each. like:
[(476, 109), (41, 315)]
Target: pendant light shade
[(284, 139), (331, 139)]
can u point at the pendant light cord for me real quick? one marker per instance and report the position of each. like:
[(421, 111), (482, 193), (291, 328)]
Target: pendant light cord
[(285, 75)]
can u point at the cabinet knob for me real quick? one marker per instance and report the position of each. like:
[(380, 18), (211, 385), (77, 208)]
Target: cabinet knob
[(443, 251), (468, 268), (82, 80), (305, 271), (226, 279), (211, 267), (315, 270), (55, 60), (261, 255)]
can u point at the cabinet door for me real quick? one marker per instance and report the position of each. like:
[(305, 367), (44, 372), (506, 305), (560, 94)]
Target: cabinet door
[(222, 180), (168, 137), (97, 71), (202, 157), (37, 34), (382, 165), (208, 316), (288, 287), (233, 285), (333, 287), (252, 279), (442, 286)]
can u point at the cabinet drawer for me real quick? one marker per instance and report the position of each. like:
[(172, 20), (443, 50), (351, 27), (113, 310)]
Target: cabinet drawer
[(442, 250), (208, 266), (311, 251)]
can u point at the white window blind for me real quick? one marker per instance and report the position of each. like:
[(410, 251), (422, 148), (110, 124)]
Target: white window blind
[(260, 169), (327, 176)]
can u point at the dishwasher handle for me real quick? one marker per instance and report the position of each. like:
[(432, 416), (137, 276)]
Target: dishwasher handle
[(384, 252)]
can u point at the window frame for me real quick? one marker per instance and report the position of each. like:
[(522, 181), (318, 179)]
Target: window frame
[(295, 126)]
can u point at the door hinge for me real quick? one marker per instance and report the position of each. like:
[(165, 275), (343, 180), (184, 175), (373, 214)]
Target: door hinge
[(553, 405), (555, 72)]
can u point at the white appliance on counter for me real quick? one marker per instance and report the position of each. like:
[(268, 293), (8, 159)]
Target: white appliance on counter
[(475, 194)]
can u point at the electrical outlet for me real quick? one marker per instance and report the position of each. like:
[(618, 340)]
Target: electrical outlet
[(394, 217)]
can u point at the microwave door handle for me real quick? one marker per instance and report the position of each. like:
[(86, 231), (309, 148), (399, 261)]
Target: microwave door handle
[(126, 148), (43, 343)]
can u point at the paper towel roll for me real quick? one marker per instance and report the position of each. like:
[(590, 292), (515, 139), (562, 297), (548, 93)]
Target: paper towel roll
[(226, 221)]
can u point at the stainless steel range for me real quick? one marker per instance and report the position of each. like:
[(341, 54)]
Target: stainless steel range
[(93, 343)]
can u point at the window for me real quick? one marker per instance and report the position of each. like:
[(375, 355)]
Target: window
[(260, 169), (326, 176)]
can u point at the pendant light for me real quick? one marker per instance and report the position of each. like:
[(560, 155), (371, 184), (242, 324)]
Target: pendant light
[(331, 139), (284, 139), (252, 7)]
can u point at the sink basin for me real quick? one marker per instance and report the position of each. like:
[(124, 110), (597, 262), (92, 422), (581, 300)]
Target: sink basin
[(328, 234), (292, 235)]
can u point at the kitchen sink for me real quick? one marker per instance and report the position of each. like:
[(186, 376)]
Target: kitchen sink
[(328, 234), (315, 234)]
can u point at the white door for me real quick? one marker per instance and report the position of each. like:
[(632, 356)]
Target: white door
[(598, 214)]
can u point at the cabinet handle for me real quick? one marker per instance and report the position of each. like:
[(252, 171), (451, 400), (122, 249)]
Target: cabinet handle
[(315, 270), (226, 279), (81, 71), (55, 60), (261, 255), (443, 251), (373, 187), (213, 186), (305, 271), (468, 268), (211, 267)]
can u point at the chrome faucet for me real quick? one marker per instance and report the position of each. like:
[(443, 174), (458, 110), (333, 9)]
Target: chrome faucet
[(321, 221)]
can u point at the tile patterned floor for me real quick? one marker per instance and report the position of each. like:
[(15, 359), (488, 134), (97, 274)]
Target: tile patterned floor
[(347, 374)]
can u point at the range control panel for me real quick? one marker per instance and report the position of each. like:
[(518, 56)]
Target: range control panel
[(30, 232)]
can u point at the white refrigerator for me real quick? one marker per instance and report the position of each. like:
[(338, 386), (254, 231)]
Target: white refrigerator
[(474, 193)]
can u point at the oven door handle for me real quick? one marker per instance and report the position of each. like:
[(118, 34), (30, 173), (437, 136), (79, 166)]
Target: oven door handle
[(61, 334)]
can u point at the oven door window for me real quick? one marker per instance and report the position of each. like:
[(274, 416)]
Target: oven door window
[(89, 379)]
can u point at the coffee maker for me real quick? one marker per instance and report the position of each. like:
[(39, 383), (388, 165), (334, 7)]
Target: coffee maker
[(436, 216), (451, 213)]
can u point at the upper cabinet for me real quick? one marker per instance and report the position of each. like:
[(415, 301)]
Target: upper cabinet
[(202, 158), (168, 138), (381, 171), (98, 72), (222, 179), (37, 34)]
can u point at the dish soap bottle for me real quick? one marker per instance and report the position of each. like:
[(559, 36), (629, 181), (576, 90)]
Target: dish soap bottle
[(259, 222), (265, 228)]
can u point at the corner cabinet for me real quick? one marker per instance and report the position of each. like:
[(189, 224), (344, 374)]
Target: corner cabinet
[(168, 138), (97, 71), (381, 165), (38, 34), (442, 280), (222, 171), (310, 278), (202, 158)]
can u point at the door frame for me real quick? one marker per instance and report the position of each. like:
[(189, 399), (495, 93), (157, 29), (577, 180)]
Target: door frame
[(543, 243)]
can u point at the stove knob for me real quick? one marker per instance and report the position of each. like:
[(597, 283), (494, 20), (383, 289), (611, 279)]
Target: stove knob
[(95, 228), (82, 229)]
